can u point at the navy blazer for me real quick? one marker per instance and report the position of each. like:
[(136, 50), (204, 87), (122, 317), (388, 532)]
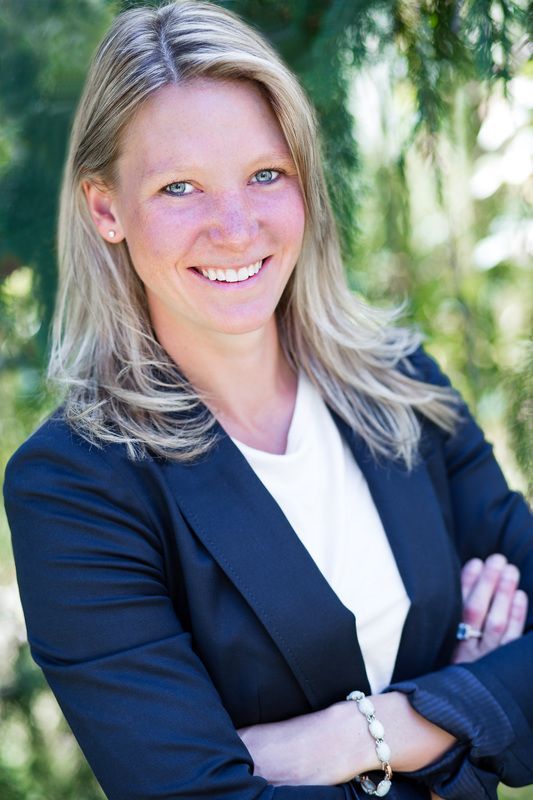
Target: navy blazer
[(170, 604)]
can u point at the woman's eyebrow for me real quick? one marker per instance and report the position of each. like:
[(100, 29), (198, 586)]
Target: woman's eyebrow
[(280, 158), (267, 159)]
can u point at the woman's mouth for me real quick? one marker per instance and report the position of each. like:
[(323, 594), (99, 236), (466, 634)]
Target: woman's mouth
[(233, 275)]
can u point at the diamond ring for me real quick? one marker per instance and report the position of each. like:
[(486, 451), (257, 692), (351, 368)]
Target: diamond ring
[(466, 631)]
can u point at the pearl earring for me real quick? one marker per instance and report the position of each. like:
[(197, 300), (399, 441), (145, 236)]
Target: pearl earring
[(111, 234)]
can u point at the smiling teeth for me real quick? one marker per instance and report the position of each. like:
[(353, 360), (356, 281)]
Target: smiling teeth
[(232, 275)]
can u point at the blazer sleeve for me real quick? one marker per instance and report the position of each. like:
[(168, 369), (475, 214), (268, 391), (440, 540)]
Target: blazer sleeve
[(102, 627), (487, 704)]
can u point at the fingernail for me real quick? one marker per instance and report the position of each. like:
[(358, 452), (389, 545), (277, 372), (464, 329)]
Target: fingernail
[(510, 574), (474, 565), (497, 561)]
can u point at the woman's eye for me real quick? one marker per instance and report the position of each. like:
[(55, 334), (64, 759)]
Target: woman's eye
[(178, 189), (267, 175)]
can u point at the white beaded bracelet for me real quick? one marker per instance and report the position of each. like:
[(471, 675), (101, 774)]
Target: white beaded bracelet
[(383, 750)]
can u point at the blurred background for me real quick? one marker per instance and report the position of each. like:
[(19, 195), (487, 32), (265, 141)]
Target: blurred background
[(425, 110)]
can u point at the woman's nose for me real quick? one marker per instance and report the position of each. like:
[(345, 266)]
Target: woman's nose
[(233, 223)]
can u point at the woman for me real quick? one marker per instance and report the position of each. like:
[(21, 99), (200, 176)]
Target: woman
[(245, 457)]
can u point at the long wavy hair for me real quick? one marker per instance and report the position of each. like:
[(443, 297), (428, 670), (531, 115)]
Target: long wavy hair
[(118, 383)]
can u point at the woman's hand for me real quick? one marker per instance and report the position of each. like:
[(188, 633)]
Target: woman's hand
[(492, 604)]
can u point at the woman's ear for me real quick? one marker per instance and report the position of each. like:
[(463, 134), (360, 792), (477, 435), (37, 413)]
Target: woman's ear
[(102, 210)]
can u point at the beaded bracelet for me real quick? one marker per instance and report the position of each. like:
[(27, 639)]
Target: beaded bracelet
[(383, 750)]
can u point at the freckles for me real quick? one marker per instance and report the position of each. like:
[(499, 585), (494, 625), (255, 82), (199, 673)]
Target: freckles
[(138, 222), (279, 205), (291, 217), (159, 236), (173, 227), (146, 245)]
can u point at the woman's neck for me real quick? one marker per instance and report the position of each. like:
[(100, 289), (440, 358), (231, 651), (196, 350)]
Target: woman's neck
[(245, 380)]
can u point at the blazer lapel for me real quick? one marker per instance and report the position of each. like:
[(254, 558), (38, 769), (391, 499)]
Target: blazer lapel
[(410, 513), (246, 532)]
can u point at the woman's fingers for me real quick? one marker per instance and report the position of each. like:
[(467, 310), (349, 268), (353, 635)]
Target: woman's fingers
[(492, 604), (499, 614), (469, 575), (517, 617), (477, 603)]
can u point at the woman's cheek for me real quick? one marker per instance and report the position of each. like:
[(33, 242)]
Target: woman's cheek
[(286, 214), (161, 238)]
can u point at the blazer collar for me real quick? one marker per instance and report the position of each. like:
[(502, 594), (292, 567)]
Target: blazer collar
[(247, 533)]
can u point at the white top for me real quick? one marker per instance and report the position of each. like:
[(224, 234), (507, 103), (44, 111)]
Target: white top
[(322, 492)]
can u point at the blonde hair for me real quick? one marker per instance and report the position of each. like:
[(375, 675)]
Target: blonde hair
[(119, 383)]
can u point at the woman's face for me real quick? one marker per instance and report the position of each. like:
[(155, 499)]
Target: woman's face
[(206, 184)]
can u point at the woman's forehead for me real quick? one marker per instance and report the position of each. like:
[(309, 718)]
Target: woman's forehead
[(188, 125)]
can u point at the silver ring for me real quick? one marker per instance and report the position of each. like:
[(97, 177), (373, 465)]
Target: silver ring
[(466, 631)]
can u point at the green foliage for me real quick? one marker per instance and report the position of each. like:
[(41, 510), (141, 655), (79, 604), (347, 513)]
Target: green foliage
[(38, 758), (520, 413), (45, 50), (409, 223)]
